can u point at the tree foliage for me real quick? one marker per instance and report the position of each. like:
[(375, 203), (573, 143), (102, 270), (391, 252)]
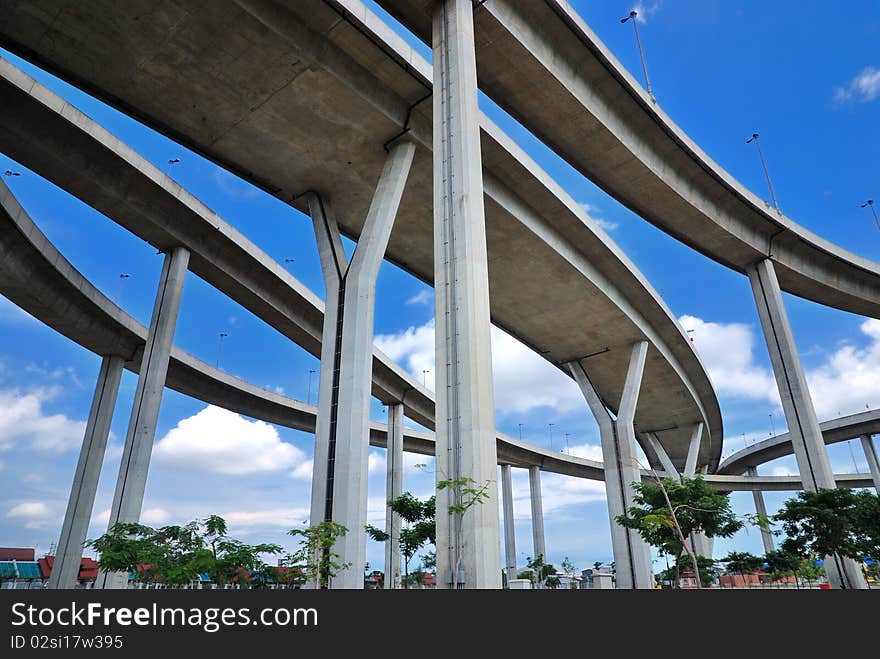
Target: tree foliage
[(315, 558), (177, 555), (419, 529), (833, 521)]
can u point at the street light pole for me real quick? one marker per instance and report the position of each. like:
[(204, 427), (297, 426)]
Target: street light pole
[(870, 204), (754, 138), (632, 16), (122, 278), (309, 397), (550, 425), (220, 346)]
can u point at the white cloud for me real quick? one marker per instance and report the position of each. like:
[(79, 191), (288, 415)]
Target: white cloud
[(287, 518), (425, 296), (557, 491), (154, 516), (222, 442), (864, 87), (646, 10), (234, 187), (31, 510), (850, 378), (523, 380), (24, 423), (783, 471), (727, 350), (375, 463), (303, 470), (594, 214), (586, 451)]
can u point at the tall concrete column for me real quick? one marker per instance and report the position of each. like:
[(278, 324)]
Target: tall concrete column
[(537, 512), (339, 479), (132, 481), (761, 509), (871, 456), (632, 556), (68, 556), (509, 531), (467, 544), (393, 489), (800, 415)]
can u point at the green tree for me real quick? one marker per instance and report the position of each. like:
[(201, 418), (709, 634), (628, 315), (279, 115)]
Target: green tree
[(420, 527), (177, 555), (540, 571), (828, 522), (810, 570), (466, 493), (667, 512), (781, 563), (742, 562), (867, 522), (552, 582), (315, 557)]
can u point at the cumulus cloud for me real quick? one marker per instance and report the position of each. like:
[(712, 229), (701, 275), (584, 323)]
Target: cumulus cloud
[(222, 442), (523, 380), (557, 492), (727, 350), (848, 381), (850, 378), (23, 422), (153, 516), (865, 87)]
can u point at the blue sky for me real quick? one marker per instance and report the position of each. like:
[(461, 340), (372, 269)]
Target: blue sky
[(804, 75)]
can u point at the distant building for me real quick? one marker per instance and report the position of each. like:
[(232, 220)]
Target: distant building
[(21, 570)]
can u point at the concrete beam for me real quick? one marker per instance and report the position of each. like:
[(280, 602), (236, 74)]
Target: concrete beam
[(509, 530), (132, 481), (661, 454), (393, 489), (631, 554), (339, 482), (68, 556), (538, 546), (467, 544), (800, 415), (871, 456)]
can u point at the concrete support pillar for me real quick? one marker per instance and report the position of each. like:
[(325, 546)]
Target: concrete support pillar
[(339, 478), (393, 489), (761, 509), (537, 512), (467, 544), (690, 465), (132, 481), (662, 455), (632, 556), (68, 556), (509, 531), (800, 415), (871, 456)]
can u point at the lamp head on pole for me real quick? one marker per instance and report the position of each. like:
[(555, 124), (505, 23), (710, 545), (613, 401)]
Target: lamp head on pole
[(870, 202), (752, 138), (632, 15)]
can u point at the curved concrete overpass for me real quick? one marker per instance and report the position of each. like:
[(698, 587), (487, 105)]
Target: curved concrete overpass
[(586, 106), (834, 430), (317, 120), (36, 277)]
